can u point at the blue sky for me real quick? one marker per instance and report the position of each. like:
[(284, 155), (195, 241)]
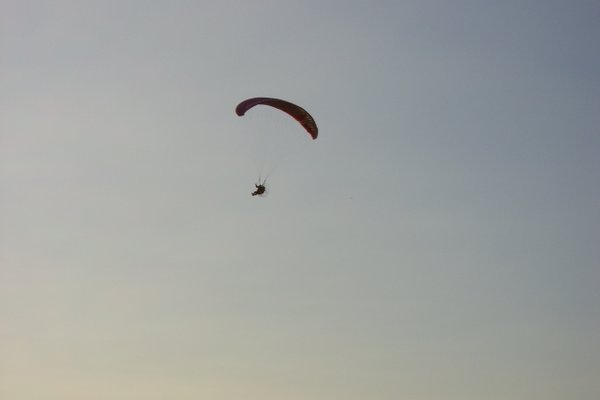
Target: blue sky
[(439, 240)]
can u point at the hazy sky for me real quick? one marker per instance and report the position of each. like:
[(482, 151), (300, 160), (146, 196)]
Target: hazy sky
[(440, 240)]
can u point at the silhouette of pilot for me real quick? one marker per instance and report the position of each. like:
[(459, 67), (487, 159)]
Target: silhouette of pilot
[(260, 189)]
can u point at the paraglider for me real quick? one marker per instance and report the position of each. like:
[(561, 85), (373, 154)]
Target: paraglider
[(295, 111)]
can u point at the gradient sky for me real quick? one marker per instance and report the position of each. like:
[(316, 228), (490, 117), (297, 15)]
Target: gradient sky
[(440, 240)]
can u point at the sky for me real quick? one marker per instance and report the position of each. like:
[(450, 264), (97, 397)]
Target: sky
[(438, 241)]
